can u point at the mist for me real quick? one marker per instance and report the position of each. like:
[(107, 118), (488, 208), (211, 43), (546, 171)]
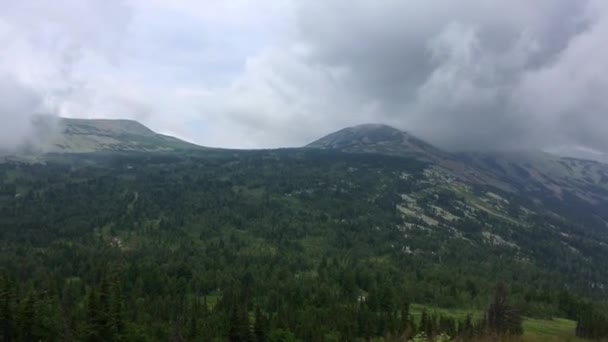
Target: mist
[(46, 48)]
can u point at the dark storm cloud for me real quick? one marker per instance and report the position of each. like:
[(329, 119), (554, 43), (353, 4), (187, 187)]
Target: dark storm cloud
[(469, 74)]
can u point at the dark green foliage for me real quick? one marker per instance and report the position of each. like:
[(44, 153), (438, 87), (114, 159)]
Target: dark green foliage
[(592, 324), (466, 329), (240, 329), (33, 316), (251, 246), (433, 325), (502, 318), (261, 325)]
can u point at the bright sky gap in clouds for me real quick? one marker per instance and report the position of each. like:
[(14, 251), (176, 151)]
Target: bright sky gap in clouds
[(467, 74)]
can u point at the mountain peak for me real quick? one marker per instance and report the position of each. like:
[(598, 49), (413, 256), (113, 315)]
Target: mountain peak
[(366, 133), (376, 138), (92, 135), (373, 127), (103, 127)]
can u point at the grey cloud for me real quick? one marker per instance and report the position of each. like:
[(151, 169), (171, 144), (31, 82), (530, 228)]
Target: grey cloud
[(454, 72), (44, 45), (470, 74), (466, 74), (17, 104)]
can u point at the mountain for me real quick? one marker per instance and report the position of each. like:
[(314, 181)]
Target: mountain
[(94, 135), (532, 172), (540, 172), (387, 140), (378, 138)]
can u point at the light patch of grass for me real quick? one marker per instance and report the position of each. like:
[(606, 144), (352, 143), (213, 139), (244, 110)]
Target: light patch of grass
[(535, 330), (458, 314), (549, 330), (11, 175)]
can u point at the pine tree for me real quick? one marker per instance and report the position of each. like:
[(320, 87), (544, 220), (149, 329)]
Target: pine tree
[(261, 326), (503, 319), (366, 321), (193, 320), (405, 316), (466, 329), (425, 325), (27, 317), (7, 302), (115, 322), (94, 328), (239, 324), (105, 324), (48, 324)]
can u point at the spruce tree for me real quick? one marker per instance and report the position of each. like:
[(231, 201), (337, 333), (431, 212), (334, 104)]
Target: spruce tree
[(503, 319), (94, 329), (7, 302), (27, 317), (405, 316), (193, 320), (261, 326), (239, 330)]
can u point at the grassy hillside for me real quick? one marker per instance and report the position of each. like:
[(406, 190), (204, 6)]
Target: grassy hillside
[(62, 135)]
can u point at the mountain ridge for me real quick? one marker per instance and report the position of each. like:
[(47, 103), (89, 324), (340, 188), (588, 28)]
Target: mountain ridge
[(68, 135), (532, 171), (377, 138)]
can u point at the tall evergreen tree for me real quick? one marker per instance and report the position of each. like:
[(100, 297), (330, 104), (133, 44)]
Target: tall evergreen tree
[(503, 319), (239, 329), (93, 331), (7, 314), (261, 326)]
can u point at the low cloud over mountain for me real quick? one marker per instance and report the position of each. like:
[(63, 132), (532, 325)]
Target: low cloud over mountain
[(470, 74)]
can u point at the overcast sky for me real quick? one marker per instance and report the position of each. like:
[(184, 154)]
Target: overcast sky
[(467, 74)]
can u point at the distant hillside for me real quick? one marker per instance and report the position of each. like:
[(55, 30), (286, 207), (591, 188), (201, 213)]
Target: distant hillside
[(535, 172), (94, 135), (539, 172), (377, 138)]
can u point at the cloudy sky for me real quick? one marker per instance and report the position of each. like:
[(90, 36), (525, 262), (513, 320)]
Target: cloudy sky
[(467, 74)]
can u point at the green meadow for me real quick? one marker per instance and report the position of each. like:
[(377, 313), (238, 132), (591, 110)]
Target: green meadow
[(535, 330)]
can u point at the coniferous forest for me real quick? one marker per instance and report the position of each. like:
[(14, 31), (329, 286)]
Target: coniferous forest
[(286, 245)]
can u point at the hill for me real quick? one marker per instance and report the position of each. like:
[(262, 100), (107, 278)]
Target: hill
[(378, 138), (65, 135), (535, 173)]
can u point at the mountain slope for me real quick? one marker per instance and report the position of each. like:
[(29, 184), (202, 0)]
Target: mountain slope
[(95, 135), (377, 138), (292, 220), (383, 139), (538, 171), (535, 172)]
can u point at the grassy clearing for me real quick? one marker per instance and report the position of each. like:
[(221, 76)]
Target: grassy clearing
[(458, 314), (549, 330), (535, 330)]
